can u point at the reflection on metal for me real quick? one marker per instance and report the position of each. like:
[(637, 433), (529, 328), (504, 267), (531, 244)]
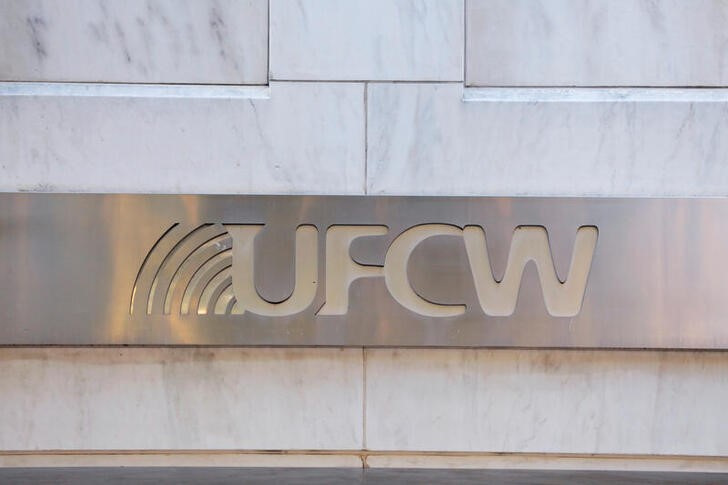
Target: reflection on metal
[(363, 271), (179, 270)]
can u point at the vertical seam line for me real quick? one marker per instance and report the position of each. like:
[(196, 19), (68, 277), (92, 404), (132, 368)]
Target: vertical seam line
[(270, 75), (465, 42), (364, 398), (366, 137)]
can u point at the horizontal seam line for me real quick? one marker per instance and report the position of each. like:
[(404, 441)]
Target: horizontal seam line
[(369, 452), (133, 90), (592, 94)]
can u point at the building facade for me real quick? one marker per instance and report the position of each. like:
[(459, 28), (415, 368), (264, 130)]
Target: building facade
[(365, 97)]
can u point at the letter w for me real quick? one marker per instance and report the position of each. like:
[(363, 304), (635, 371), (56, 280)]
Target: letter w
[(530, 243)]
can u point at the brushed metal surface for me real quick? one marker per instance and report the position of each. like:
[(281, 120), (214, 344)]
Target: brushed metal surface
[(83, 269)]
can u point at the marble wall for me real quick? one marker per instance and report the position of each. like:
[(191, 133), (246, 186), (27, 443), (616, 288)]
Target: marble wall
[(561, 402), (142, 41), (597, 43), (427, 139), (383, 40), (180, 398), (437, 97), (229, 144)]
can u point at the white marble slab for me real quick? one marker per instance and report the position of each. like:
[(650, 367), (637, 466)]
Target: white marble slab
[(301, 138), (597, 43), (180, 398), (366, 40), (152, 41), (608, 402), (186, 458), (424, 139), (517, 461)]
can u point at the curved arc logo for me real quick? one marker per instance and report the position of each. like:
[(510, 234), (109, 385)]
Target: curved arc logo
[(209, 270)]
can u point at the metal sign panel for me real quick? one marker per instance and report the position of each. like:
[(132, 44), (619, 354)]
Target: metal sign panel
[(363, 271)]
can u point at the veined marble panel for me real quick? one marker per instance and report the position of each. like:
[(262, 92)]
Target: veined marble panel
[(425, 139), (597, 43), (367, 40), (147, 41), (180, 398), (611, 402), (303, 138)]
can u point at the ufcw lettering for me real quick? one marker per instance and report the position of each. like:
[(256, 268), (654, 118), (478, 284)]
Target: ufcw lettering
[(497, 298), (530, 243)]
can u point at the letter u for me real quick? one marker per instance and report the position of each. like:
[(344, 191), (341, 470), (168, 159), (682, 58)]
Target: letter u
[(243, 272)]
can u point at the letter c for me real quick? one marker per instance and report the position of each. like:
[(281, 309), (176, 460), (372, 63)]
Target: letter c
[(395, 270)]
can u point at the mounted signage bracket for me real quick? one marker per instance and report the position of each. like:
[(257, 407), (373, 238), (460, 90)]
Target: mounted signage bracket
[(82, 269)]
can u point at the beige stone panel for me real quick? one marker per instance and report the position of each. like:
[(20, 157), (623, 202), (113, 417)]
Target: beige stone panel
[(524, 461), (180, 399), (547, 401), (212, 458)]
